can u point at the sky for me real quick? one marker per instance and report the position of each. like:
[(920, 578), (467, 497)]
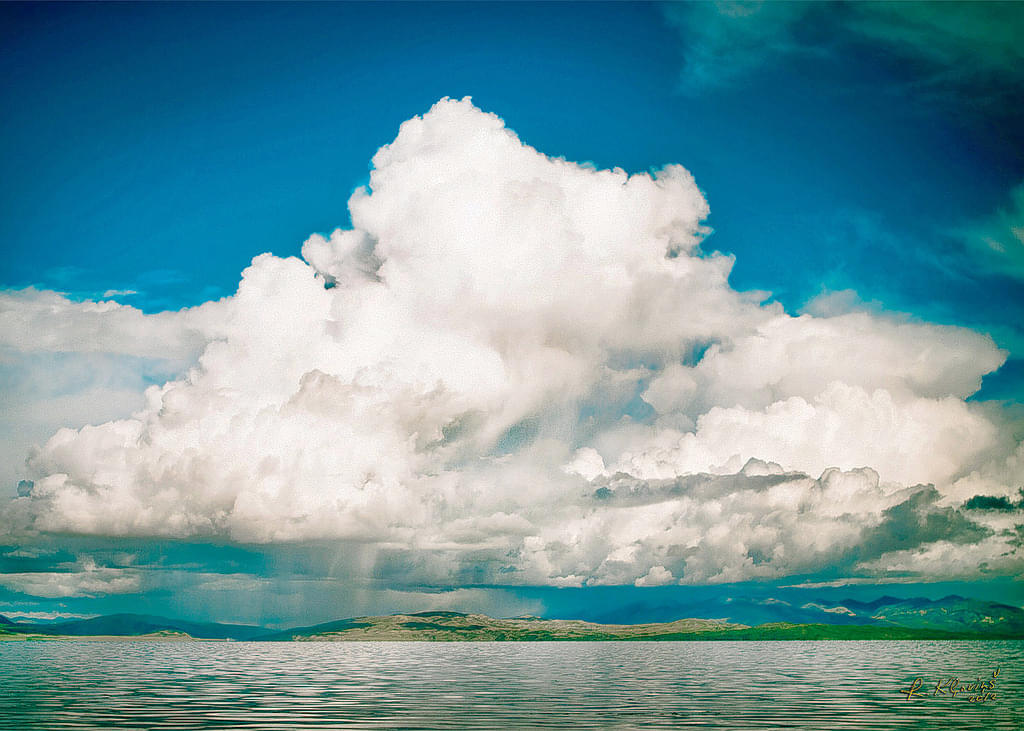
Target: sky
[(316, 310)]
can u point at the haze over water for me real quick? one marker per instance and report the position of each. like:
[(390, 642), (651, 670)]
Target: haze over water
[(703, 685)]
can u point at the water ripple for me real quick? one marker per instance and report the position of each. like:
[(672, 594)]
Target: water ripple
[(582, 685)]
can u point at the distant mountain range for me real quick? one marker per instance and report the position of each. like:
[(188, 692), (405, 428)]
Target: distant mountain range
[(951, 617), (951, 613), (133, 625)]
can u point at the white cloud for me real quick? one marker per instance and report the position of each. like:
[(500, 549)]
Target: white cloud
[(33, 321), (657, 576), (919, 440), (447, 383), (83, 579), (70, 363), (44, 616), (950, 561), (855, 581)]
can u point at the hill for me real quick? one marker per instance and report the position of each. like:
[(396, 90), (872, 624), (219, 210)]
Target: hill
[(890, 618), (135, 625), (458, 627)]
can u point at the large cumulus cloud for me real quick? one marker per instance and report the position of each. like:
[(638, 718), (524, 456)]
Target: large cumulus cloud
[(518, 369)]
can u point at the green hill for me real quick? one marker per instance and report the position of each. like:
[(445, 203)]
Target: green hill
[(950, 618), (458, 627)]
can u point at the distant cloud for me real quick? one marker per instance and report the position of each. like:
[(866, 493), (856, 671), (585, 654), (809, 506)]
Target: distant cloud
[(44, 616), (230, 582), (830, 610), (657, 576), (84, 579), (963, 41), (519, 370), (996, 245), (34, 320), (723, 41), (854, 581), (951, 44)]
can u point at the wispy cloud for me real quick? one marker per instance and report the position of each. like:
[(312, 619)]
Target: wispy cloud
[(724, 41), (855, 581), (956, 46), (996, 245), (44, 616)]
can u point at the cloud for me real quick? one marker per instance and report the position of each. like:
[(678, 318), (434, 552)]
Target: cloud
[(722, 41), (996, 245), (84, 579), (918, 521), (45, 616), (515, 369), (853, 581), (918, 440), (657, 576), (33, 321), (950, 560), (969, 41), (973, 47), (69, 363)]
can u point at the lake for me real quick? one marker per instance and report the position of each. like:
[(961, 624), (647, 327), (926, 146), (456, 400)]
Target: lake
[(580, 685)]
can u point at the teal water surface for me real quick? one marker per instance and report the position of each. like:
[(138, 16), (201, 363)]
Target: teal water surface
[(579, 685)]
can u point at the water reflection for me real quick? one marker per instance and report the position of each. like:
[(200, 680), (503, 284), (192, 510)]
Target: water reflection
[(736, 685)]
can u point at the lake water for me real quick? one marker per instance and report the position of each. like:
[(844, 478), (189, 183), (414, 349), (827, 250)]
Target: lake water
[(617, 685)]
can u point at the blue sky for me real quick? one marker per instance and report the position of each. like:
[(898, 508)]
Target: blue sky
[(149, 152), (141, 134)]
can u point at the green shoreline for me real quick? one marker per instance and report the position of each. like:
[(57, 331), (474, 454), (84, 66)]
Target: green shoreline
[(457, 627)]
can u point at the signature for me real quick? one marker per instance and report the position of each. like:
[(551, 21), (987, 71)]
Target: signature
[(975, 691)]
